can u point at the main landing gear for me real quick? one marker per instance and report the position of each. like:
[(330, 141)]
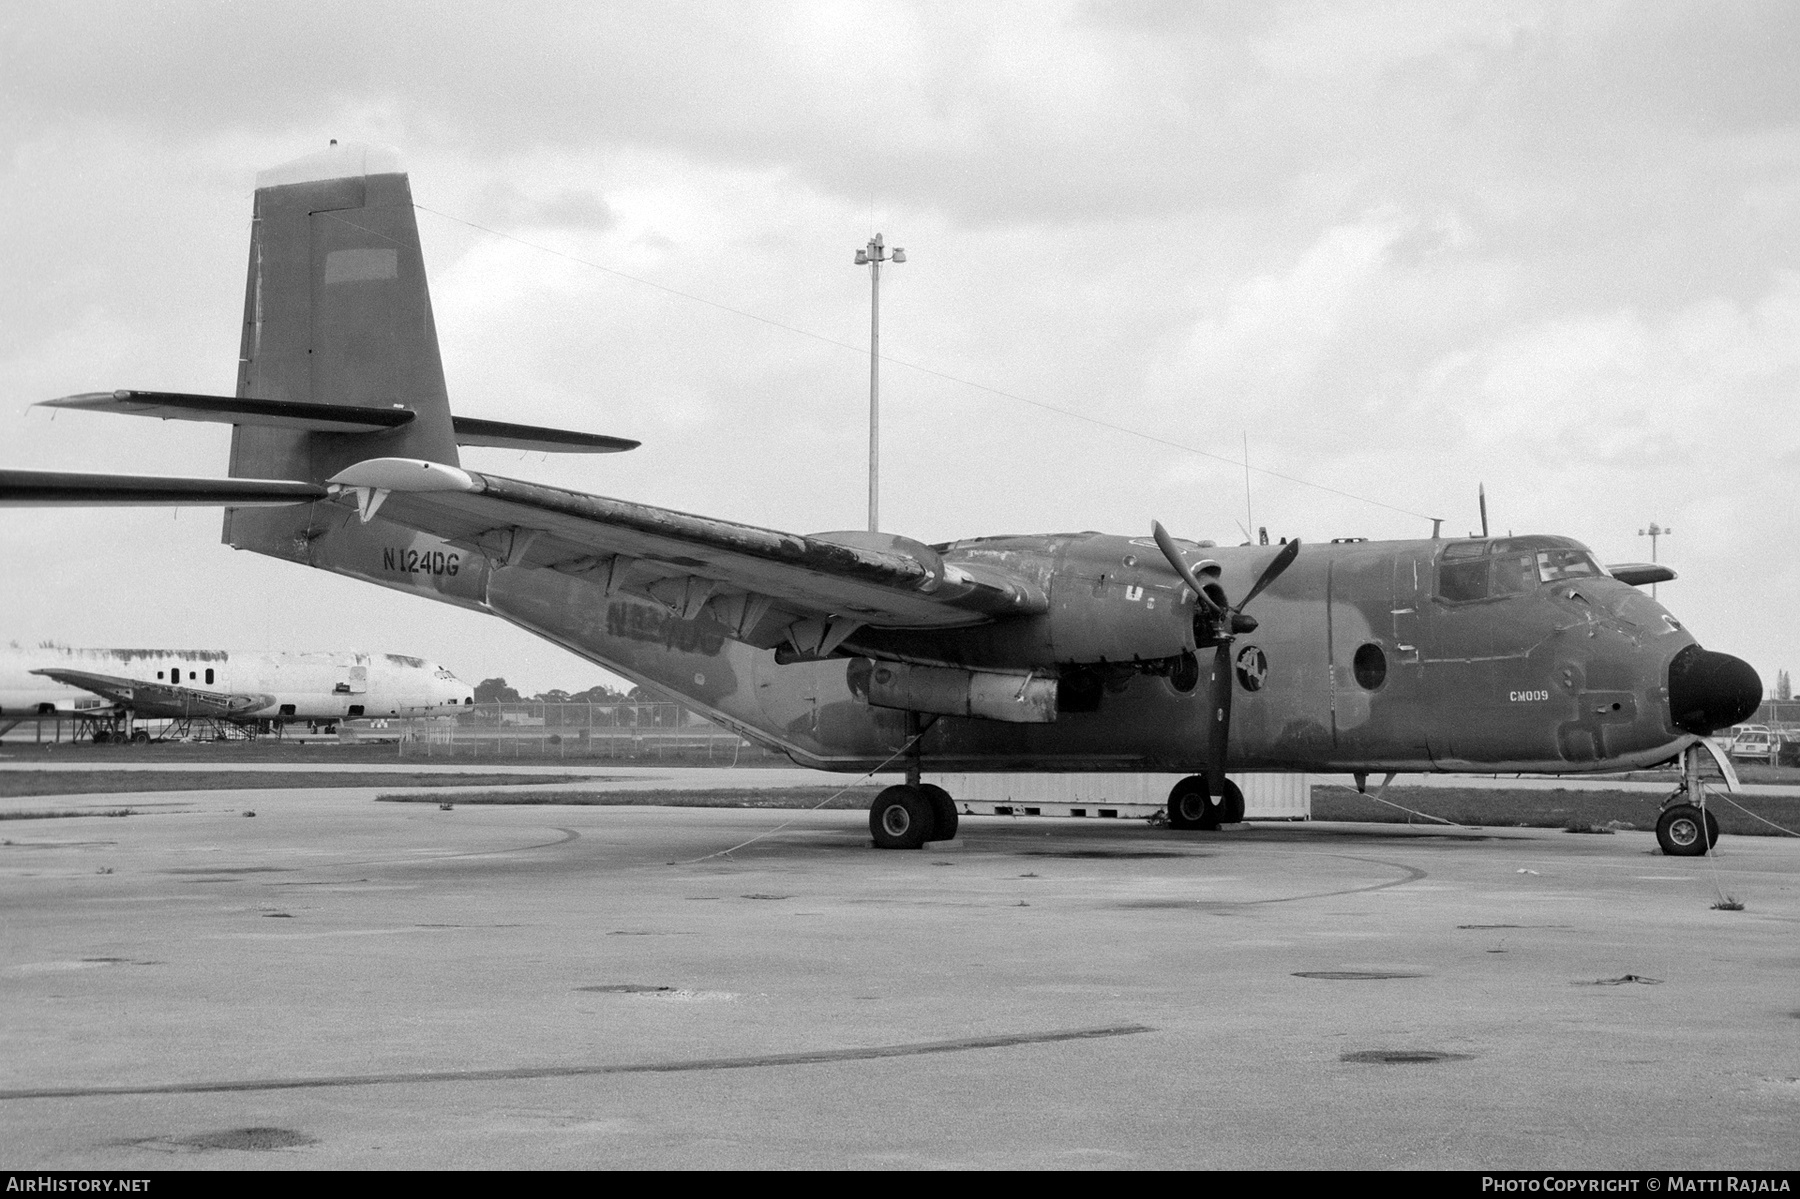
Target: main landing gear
[(1191, 807), (908, 815), (1684, 814)]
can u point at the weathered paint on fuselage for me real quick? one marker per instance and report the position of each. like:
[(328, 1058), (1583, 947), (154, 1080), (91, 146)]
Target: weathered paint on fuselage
[(1568, 677), (232, 684)]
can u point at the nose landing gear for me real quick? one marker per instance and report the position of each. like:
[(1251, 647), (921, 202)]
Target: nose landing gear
[(1685, 829)]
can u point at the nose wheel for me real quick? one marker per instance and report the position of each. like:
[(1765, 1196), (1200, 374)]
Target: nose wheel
[(1678, 831), (1684, 828)]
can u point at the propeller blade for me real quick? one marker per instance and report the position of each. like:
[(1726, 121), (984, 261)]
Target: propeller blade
[(1218, 732), (1271, 572), (1166, 544)]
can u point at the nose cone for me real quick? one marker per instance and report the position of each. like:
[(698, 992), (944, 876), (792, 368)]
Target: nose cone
[(1709, 691)]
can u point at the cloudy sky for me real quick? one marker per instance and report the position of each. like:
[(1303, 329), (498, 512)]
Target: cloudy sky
[(1395, 249)]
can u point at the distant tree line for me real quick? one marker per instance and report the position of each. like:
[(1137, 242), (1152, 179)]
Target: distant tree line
[(496, 691)]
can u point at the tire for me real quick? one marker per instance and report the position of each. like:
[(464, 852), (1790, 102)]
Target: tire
[(1678, 831), (1231, 804), (101, 737), (1189, 805), (140, 737), (943, 812), (902, 818)]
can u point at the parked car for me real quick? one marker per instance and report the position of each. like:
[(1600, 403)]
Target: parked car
[(1760, 743)]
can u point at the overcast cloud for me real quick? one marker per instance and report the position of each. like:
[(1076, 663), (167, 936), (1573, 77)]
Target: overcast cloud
[(1401, 248)]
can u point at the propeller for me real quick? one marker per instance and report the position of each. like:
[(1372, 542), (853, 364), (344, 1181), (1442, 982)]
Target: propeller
[(1223, 624)]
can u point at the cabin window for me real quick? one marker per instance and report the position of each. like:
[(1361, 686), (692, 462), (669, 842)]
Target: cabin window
[(1370, 667), (356, 710), (287, 709), (159, 675), (209, 676)]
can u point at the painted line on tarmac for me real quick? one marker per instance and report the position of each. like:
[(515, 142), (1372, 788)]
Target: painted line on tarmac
[(815, 1057)]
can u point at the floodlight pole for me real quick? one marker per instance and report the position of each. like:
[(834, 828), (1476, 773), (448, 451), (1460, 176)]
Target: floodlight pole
[(1653, 532), (872, 256)]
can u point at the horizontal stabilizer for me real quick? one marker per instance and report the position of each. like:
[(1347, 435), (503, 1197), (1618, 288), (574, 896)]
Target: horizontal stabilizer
[(43, 488), (503, 435), (334, 418), (1640, 573), (233, 410)]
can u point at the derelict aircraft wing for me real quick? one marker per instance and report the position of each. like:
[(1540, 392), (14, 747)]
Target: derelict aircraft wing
[(163, 700)]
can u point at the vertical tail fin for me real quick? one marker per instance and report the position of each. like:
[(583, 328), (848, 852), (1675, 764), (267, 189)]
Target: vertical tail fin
[(336, 311)]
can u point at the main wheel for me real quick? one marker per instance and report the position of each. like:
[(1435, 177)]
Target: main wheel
[(902, 818), (140, 737), (1190, 806), (1678, 831), (943, 812), (1231, 804)]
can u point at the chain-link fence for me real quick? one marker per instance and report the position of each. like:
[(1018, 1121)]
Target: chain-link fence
[(621, 731)]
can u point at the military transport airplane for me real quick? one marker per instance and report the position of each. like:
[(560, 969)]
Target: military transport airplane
[(110, 689), (858, 651)]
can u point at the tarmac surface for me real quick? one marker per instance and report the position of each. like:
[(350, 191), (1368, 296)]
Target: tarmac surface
[(342, 983)]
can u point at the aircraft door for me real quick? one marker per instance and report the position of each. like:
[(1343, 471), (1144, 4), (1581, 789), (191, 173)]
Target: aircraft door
[(1379, 709), (352, 675)]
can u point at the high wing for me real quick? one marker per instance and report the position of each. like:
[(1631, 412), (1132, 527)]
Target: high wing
[(1640, 573), (162, 699), (826, 584)]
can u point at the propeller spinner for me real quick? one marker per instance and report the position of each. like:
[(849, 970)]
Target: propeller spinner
[(1223, 624)]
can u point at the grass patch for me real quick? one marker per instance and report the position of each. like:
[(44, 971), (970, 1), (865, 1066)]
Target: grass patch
[(19, 783), (1578, 811), (47, 815), (772, 797)]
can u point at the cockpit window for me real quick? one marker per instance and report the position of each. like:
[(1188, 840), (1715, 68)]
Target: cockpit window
[(1460, 582), (1565, 564), (1513, 574), (1461, 579), (1481, 570)]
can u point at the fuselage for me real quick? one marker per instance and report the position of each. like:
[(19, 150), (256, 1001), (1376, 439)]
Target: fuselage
[(1504, 654), (232, 684)]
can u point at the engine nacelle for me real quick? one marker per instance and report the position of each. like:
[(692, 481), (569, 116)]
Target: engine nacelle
[(947, 691), (1118, 620)]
